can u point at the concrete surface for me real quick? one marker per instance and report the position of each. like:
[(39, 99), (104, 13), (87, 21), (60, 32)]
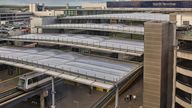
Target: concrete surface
[(135, 89), (67, 96)]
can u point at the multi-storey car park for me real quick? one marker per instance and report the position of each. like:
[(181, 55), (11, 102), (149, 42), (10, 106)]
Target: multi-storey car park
[(13, 22), (9, 16), (93, 71), (125, 41), (98, 38), (182, 74), (90, 43)]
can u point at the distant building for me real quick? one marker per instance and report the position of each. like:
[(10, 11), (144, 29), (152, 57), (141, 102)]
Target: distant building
[(39, 10), (14, 16), (94, 6), (39, 21), (153, 5)]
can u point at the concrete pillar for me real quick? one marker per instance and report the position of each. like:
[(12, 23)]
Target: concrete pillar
[(172, 64), (156, 61), (42, 98), (10, 70), (18, 43), (91, 90), (171, 103), (18, 70), (122, 56), (42, 101), (8, 43)]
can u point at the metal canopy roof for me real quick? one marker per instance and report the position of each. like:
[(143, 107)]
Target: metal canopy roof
[(125, 16), (132, 47), (99, 27), (79, 68)]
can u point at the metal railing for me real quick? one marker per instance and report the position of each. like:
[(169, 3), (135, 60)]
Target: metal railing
[(124, 16), (67, 71), (122, 84), (184, 33), (96, 44), (101, 27)]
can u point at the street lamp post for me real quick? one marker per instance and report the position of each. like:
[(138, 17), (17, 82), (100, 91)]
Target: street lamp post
[(53, 94)]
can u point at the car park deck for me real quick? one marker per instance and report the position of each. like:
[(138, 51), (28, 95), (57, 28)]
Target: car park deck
[(120, 28), (87, 70), (124, 16), (131, 47)]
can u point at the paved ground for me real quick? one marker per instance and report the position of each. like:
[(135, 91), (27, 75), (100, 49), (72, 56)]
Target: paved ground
[(7, 81), (8, 84), (78, 97), (68, 96), (4, 75), (135, 89)]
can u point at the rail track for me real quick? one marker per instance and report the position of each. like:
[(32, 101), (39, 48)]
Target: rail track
[(8, 97), (10, 94)]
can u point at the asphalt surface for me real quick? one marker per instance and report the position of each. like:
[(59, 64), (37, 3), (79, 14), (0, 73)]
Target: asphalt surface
[(135, 89), (67, 96)]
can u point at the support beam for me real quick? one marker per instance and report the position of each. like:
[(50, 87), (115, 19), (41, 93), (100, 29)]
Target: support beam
[(42, 100), (122, 56), (18, 70), (53, 94), (91, 90), (18, 43), (117, 98)]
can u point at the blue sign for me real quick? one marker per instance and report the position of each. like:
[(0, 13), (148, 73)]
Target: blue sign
[(149, 4)]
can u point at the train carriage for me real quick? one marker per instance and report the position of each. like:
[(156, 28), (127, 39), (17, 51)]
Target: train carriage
[(32, 80)]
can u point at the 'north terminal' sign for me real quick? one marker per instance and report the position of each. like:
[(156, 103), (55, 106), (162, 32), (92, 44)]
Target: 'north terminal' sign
[(149, 4), (164, 4)]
